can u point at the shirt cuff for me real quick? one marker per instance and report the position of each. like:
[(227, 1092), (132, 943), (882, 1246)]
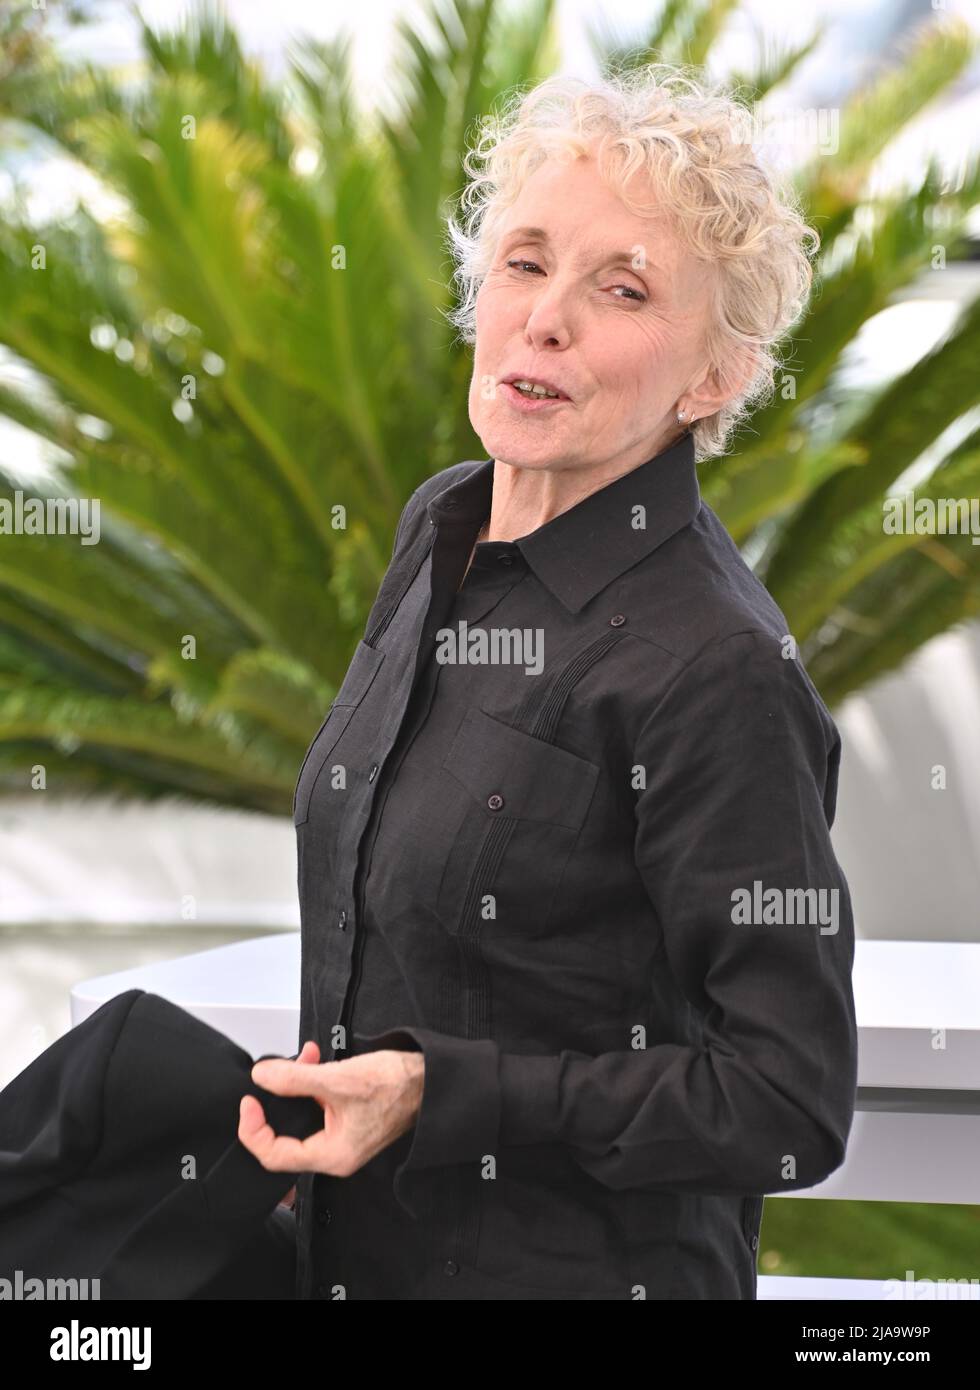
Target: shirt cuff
[(459, 1116), (530, 1087)]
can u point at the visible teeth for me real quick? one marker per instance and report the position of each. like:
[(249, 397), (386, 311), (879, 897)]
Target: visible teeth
[(530, 390)]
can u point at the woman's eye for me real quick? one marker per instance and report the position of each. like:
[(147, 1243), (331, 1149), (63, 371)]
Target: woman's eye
[(630, 293)]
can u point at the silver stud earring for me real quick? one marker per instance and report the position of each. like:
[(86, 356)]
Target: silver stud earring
[(680, 416)]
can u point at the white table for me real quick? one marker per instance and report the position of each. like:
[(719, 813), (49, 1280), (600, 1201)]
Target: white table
[(916, 1131), (249, 991)]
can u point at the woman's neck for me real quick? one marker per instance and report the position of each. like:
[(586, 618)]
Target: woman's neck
[(481, 536)]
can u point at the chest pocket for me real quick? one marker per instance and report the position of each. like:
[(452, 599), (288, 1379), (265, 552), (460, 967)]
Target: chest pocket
[(515, 806), (361, 672)]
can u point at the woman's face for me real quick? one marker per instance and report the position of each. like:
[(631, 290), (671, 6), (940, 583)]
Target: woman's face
[(619, 334)]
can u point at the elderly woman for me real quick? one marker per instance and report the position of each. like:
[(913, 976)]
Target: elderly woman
[(576, 948)]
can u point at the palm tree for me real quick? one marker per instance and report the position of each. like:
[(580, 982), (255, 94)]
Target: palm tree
[(250, 367)]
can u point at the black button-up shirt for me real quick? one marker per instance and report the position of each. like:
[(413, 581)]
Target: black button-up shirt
[(565, 829)]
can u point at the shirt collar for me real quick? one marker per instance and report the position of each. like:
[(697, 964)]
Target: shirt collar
[(579, 552)]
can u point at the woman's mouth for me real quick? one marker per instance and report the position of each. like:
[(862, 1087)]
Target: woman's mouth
[(528, 401)]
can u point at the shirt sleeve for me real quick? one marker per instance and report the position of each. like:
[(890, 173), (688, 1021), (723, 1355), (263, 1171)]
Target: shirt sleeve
[(406, 514), (740, 760)]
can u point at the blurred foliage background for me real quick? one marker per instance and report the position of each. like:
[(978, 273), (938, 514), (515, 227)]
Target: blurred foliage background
[(247, 363)]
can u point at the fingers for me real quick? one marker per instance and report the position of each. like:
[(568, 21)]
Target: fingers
[(279, 1153), (286, 1077)]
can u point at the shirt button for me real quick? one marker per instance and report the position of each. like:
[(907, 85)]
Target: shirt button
[(617, 620), (755, 1242), (495, 802), (342, 920), (373, 773), (450, 1267), (323, 1216), (505, 559)]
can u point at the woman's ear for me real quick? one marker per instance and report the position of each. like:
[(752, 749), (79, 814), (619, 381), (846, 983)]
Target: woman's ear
[(720, 384)]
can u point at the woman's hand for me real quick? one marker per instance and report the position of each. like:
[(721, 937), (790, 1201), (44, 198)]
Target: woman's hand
[(309, 1053), (368, 1102)]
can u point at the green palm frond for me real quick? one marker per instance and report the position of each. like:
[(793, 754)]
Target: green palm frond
[(227, 747), (775, 66), (833, 188), (683, 33), (275, 690), (907, 417), (247, 364), (927, 590)]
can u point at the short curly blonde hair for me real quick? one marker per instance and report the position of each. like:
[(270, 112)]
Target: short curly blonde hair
[(691, 139)]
